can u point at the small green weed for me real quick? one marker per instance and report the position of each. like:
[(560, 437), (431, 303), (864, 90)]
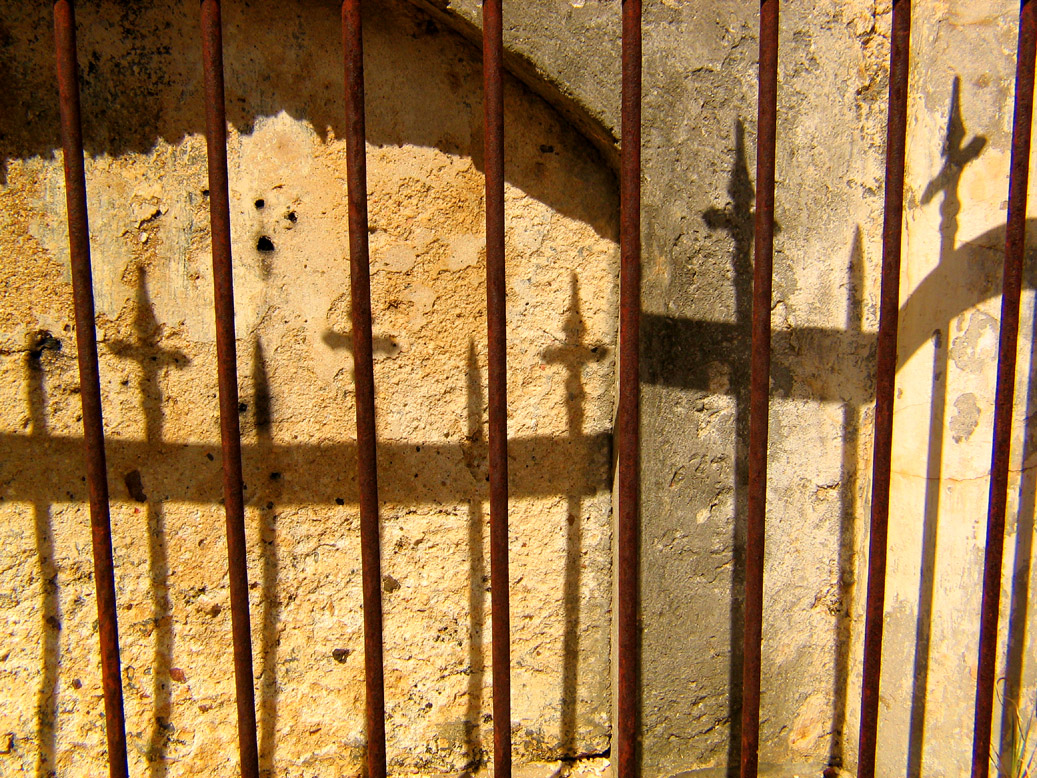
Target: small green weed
[(1019, 756)]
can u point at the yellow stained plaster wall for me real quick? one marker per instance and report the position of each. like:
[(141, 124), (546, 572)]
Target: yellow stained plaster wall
[(147, 190)]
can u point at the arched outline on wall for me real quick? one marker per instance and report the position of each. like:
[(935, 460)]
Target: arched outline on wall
[(121, 122)]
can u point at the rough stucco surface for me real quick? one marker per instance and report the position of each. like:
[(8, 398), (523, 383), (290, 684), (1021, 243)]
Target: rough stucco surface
[(699, 140), (700, 104), (149, 222)]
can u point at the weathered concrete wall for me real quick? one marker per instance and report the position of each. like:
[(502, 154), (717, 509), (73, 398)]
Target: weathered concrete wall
[(149, 222), (700, 102), (699, 140)]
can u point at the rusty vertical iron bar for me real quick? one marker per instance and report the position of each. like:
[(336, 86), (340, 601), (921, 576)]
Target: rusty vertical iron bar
[(496, 324), (226, 362), (1015, 240), (885, 379), (363, 377), (90, 382), (759, 381), (628, 439)]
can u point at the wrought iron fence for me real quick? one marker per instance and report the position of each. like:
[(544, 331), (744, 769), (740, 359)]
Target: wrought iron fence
[(627, 428)]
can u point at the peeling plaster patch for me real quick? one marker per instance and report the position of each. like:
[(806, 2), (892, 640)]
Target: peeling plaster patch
[(719, 377), (396, 258), (423, 298), (465, 251), (809, 725), (966, 418), (976, 348), (337, 314)]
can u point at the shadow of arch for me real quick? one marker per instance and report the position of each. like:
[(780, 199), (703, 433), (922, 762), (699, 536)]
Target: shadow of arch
[(968, 276), (138, 91)]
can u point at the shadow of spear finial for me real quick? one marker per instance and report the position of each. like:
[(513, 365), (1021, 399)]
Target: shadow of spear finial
[(573, 354), (956, 155)]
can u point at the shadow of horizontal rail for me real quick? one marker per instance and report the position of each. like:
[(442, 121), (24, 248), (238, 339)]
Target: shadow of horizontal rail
[(832, 365), (49, 469)]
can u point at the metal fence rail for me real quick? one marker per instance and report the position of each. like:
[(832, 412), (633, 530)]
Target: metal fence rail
[(759, 384), (885, 378), (89, 381), (227, 369), (628, 415), (363, 378), (1004, 399), (497, 380), (627, 428)]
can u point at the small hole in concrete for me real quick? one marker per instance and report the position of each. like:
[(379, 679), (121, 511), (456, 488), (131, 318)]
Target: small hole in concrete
[(260, 204), (264, 244), (340, 655), (292, 217)]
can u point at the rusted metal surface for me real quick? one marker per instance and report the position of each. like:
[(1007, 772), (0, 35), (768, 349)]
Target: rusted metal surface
[(628, 421), (1015, 239), (493, 103), (885, 378), (89, 381), (759, 380), (226, 361), (363, 377)]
